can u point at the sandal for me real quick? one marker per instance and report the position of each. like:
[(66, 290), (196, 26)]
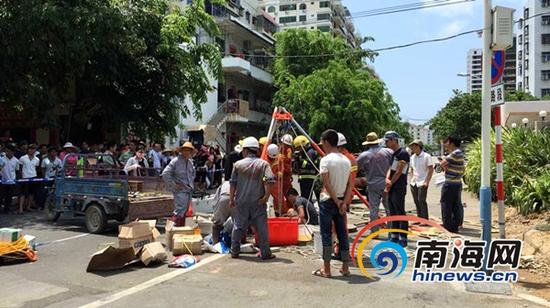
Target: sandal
[(345, 273), (320, 273)]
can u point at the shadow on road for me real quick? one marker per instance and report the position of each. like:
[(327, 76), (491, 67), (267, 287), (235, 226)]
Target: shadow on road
[(254, 258)]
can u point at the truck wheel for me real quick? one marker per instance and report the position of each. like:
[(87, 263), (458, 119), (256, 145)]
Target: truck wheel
[(49, 208), (96, 220)]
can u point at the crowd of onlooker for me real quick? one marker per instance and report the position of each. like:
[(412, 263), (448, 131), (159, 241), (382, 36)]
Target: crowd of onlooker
[(27, 170)]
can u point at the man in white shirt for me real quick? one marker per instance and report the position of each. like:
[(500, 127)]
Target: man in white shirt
[(8, 166), (28, 164), (51, 164), (422, 169), (335, 170)]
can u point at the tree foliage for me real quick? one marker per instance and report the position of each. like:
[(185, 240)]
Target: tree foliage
[(333, 91), (520, 96), (117, 60), (461, 117)]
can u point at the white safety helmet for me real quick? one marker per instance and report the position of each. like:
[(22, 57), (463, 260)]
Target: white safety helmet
[(251, 143), (238, 148), (287, 139), (342, 140), (272, 150)]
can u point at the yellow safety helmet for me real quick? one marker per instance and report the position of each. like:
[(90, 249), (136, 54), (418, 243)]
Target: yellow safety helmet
[(263, 140), (241, 142), (301, 141)]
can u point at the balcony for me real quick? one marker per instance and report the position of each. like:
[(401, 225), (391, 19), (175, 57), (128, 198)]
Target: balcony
[(242, 66)]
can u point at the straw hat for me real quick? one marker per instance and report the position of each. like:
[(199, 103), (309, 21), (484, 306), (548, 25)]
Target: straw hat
[(372, 138), (187, 145)]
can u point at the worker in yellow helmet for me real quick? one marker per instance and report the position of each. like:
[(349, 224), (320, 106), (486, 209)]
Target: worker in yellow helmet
[(262, 141), (307, 172)]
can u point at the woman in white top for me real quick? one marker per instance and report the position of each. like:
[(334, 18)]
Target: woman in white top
[(137, 165)]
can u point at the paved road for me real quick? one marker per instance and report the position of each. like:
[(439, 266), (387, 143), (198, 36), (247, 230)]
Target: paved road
[(59, 278)]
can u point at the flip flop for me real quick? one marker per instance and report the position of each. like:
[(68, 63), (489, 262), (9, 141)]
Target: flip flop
[(320, 273), (345, 273)]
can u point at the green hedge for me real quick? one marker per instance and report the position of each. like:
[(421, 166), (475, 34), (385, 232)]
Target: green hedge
[(526, 169)]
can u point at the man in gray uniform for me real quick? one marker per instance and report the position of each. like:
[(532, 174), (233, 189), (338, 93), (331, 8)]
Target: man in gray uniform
[(179, 176), (251, 181), (222, 211), (375, 162)]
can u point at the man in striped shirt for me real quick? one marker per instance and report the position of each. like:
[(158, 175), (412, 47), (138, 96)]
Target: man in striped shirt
[(453, 164)]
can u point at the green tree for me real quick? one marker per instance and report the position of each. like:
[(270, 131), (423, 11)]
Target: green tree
[(117, 60), (520, 96), (461, 117), (332, 91)]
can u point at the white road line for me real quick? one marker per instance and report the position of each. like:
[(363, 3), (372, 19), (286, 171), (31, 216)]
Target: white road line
[(63, 239), (147, 284)]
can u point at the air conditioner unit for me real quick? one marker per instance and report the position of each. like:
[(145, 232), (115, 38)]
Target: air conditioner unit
[(503, 23)]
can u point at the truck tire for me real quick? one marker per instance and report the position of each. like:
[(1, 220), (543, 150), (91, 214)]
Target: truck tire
[(96, 220), (49, 208)]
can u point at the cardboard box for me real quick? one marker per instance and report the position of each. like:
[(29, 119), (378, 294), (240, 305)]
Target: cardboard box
[(186, 244), (135, 235), (171, 230), (9, 235), (153, 225), (152, 252), (110, 258)]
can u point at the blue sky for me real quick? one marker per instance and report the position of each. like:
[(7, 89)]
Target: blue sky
[(421, 78)]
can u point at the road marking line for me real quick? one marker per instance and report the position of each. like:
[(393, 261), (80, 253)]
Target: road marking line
[(63, 239), (150, 283)]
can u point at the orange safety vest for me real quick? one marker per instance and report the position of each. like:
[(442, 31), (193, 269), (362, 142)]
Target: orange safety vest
[(354, 169)]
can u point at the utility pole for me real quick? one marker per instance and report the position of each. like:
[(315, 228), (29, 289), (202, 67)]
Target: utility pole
[(485, 190)]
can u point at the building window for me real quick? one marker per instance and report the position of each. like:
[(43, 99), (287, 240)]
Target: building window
[(526, 31), (324, 28), (545, 38), (545, 20), (545, 74), (303, 18), (284, 20), (324, 4), (526, 64), (325, 16), (247, 16), (520, 70), (520, 55), (545, 92), (520, 86), (303, 6), (287, 7), (545, 3), (526, 82), (271, 9), (526, 13), (526, 48)]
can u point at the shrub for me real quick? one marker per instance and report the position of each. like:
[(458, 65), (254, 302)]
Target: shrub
[(526, 169)]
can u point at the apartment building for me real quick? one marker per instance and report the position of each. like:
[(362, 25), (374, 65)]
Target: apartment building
[(533, 52), (241, 105), (474, 69), (325, 15), (422, 133)]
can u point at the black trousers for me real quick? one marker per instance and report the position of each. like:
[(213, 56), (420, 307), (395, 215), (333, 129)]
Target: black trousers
[(419, 194), (451, 206), (396, 203), (306, 186), (6, 195)]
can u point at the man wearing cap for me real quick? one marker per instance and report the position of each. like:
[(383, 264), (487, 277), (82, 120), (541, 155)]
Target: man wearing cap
[(251, 182), (375, 162), (396, 186), (342, 142), (422, 167), (179, 176)]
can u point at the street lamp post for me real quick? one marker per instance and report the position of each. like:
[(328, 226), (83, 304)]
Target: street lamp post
[(485, 189)]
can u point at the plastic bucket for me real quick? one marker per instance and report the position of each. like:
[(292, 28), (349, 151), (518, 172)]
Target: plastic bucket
[(283, 231), (304, 234)]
